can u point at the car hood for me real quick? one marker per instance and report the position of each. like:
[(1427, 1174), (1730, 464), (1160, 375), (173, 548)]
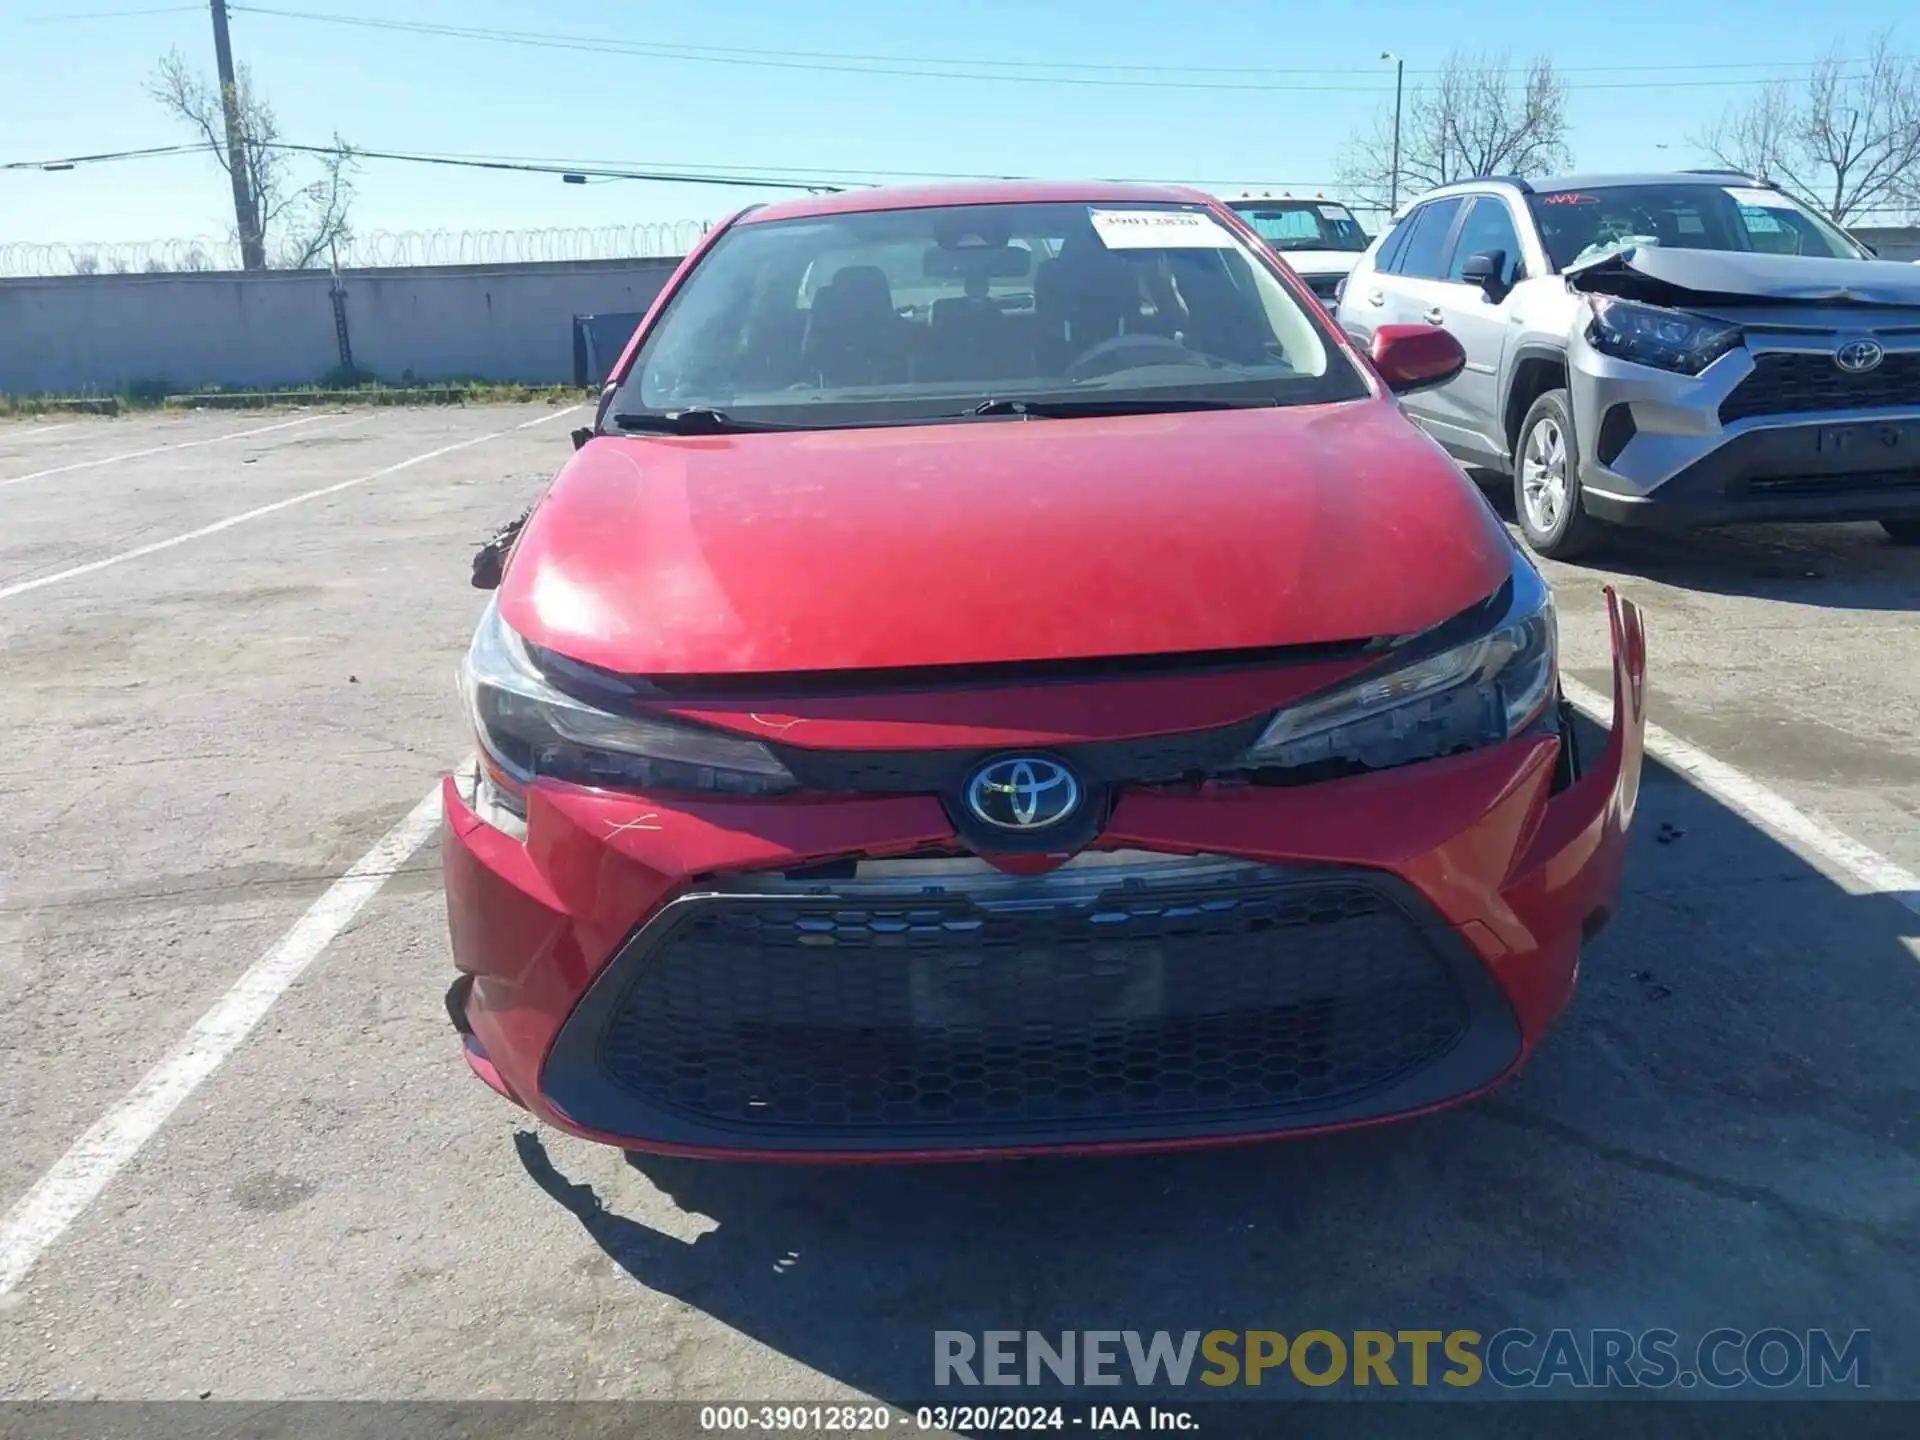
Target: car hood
[(1001, 541), (1680, 277), (1321, 262)]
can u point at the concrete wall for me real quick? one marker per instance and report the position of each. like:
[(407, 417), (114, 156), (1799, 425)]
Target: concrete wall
[(1901, 242), (75, 333)]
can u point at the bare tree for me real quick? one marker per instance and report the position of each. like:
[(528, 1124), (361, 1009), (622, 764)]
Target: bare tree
[(1846, 140), (1478, 116), (304, 220)]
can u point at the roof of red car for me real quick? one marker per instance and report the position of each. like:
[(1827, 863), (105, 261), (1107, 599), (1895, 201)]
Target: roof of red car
[(976, 192)]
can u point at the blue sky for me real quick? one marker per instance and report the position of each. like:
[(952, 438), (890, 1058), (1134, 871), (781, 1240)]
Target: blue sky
[(74, 85)]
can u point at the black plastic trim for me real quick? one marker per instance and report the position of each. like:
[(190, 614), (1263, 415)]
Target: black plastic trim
[(600, 687), (1617, 429), (577, 1085), (457, 994)]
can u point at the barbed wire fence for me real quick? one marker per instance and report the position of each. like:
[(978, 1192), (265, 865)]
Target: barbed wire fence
[(376, 249)]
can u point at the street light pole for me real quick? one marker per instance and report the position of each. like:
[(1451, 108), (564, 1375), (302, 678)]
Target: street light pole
[(1399, 76)]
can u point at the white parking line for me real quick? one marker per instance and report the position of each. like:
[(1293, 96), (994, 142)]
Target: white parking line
[(7, 592), (159, 449), (63, 1194), (1812, 837), (34, 432), (77, 1177)]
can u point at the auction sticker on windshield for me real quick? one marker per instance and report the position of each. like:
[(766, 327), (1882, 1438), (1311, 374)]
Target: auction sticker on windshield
[(1759, 199), (1335, 212), (1159, 230)]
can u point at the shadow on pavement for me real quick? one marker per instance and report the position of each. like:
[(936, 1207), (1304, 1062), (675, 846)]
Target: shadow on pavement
[(1723, 1131), (1845, 567)]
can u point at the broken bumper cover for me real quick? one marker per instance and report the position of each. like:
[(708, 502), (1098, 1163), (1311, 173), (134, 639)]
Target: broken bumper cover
[(1848, 469), (1756, 436), (1243, 964)]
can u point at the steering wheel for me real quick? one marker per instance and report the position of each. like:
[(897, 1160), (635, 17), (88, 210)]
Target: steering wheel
[(1151, 350)]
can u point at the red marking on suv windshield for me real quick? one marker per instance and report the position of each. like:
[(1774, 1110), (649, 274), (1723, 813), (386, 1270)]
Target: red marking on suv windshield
[(1568, 197)]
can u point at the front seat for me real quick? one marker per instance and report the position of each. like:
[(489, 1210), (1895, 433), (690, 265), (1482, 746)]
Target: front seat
[(854, 336), (1097, 298), (972, 338), (1220, 320)]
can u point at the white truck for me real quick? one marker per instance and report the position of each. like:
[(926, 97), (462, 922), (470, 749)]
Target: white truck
[(1318, 237)]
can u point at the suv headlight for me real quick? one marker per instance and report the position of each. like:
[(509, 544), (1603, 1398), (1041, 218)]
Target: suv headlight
[(1471, 694), (528, 728), (1665, 339)]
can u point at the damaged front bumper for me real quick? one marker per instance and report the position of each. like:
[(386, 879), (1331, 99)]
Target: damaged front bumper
[(669, 974)]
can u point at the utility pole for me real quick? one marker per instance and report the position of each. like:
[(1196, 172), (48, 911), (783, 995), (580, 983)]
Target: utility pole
[(1399, 76), (246, 218)]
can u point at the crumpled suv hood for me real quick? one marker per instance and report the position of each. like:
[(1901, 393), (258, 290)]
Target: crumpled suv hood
[(1661, 276)]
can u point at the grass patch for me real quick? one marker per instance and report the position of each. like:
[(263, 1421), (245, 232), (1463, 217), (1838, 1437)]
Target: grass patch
[(333, 389)]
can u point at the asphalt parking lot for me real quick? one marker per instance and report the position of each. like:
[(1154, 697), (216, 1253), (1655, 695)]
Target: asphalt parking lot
[(229, 644)]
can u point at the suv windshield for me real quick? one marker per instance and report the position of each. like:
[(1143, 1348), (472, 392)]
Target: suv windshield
[(1303, 224), (1582, 225), (900, 315)]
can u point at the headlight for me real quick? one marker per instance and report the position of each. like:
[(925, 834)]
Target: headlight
[(1665, 339), (530, 729), (1476, 693)]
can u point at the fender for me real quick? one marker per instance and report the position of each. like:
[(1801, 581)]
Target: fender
[(1516, 359)]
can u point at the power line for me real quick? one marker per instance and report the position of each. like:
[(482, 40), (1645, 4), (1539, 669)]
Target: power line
[(475, 32), (69, 162), (763, 176), (109, 14), (1049, 65), (757, 182), (766, 177), (913, 67)]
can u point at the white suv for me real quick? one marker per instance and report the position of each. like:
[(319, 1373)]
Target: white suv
[(1666, 349)]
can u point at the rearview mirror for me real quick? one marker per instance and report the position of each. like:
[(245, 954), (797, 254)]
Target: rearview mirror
[(1484, 270), (1416, 357)]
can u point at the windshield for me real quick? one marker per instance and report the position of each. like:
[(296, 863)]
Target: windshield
[(1577, 226), (1303, 225), (901, 315)]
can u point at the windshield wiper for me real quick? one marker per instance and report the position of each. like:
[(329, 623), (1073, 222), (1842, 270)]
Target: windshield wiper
[(699, 420), (1076, 409)]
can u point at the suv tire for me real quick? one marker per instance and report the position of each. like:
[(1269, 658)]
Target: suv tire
[(1903, 531), (1546, 483)]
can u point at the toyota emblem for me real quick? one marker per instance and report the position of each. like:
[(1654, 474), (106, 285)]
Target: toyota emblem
[(1023, 792), (1856, 357)]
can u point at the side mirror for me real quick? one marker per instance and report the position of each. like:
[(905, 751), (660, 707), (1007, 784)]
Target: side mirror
[(1416, 357), (1484, 270)]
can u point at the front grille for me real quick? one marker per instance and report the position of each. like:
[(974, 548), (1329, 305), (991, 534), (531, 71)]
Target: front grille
[(1144, 760), (1327, 287), (1784, 384), (1873, 482), (1249, 998)]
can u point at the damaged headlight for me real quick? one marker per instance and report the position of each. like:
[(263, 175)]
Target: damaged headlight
[(528, 728), (1476, 693), (1665, 339)]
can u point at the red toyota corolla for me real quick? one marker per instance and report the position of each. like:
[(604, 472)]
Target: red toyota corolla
[(1003, 676)]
